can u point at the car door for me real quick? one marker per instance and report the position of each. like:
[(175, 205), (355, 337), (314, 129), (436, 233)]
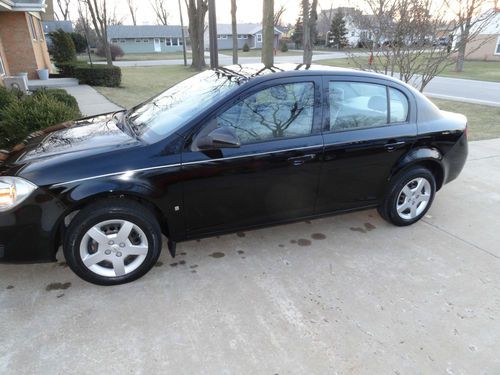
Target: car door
[(274, 174), (368, 126)]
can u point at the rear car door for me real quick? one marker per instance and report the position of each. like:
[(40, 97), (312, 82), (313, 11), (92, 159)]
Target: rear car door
[(273, 176), (369, 125)]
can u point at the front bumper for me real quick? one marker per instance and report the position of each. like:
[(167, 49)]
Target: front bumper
[(29, 232)]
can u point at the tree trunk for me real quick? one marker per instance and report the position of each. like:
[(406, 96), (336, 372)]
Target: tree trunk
[(234, 31), (196, 13), (462, 45), (268, 33), (306, 36)]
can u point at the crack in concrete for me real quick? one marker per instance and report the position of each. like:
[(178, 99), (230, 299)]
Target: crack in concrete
[(461, 239)]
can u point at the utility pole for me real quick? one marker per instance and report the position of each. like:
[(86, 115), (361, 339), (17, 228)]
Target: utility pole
[(183, 35), (212, 31)]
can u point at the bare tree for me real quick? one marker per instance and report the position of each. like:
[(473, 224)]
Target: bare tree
[(132, 7), (161, 12), (471, 18), (197, 10), (114, 19), (268, 33), (278, 15), (309, 18), (234, 29), (64, 8), (99, 16)]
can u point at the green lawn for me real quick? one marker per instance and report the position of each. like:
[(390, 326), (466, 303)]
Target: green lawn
[(141, 83), (139, 56), (480, 70), (258, 53)]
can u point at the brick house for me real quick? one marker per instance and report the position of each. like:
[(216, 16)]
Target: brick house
[(22, 41), (486, 45)]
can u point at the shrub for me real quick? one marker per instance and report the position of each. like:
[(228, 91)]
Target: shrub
[(246, 48), (284, 47), (63, 48), (98, 75), (116, 51), (79, 41), (31, 113), (61, 96), (6, 97)]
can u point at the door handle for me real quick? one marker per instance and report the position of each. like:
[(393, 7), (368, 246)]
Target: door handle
[(391, 146), (299, 160)]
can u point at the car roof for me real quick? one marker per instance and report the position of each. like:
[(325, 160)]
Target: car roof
[(249, 72)]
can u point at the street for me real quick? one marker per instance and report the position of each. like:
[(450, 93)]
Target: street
[(344, 294)]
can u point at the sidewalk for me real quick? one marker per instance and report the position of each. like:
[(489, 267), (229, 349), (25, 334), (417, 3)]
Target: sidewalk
[(90, 101)]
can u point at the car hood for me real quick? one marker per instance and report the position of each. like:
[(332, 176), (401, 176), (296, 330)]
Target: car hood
[(100, 132)]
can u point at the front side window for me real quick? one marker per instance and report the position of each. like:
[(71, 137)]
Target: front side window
[(281, 111), (357, 105), (164, 114)]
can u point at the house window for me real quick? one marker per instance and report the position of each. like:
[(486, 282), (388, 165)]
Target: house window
[(40, 29), (123, 40), (175, 41), (32, 27), (168, 41), (2, 68), (114, 40), (146, 40), (259, 38), (245, 36), (497, 49), (240, 36), (138, 40), (224, 36)]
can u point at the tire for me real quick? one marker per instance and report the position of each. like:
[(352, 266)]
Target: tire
[(409, 197), (112, 242)]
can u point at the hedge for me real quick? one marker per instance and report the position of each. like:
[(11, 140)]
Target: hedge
[(95, 75)]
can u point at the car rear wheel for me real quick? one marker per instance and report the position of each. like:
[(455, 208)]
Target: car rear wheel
[(112, 242), (409, 197)]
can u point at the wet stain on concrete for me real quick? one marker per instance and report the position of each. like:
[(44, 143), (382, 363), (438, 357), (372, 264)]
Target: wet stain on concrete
[(369, 226), (194, 266), (173, 264), (318, 236), (243, 257), (10, 287), (62, 264), (193, 271), (182, 262), (57, 286), (281, 245), (293, 241), (60, 295), (241, 252), (357, 229), (303, 242), (159, 264), (241, 234), (183, 253), (217, 255)]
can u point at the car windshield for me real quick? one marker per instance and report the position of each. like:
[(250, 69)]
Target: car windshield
[(170, 110)]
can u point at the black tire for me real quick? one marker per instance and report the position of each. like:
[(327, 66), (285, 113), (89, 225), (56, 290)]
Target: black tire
[(388, 207), (109, 210)]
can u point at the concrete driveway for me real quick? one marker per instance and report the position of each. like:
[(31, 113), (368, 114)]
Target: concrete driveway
[(346, 294)]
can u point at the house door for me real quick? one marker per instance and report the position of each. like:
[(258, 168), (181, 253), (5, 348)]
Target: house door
[(157, 45)]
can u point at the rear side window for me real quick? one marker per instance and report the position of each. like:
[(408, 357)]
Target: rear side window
[(399, 105), (281, 111), (357, 105)]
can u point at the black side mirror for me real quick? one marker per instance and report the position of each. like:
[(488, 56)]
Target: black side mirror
[(223, 137)]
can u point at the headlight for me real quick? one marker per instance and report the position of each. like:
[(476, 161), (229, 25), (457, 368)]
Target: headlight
[(14, 190)]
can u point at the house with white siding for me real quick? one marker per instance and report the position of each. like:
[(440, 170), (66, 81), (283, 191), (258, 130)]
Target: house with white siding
[(146, 38), (249, 33)]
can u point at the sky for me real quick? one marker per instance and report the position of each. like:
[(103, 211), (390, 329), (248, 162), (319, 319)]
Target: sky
[(248, 10)]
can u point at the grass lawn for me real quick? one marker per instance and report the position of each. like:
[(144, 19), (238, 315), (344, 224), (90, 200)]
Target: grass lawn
[(141, 83), (258, 53), (480, 70), (139, 56)]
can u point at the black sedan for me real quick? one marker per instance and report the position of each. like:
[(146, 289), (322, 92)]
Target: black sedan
[(225, 150)]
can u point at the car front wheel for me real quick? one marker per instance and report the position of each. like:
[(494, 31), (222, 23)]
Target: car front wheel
[(409, 198), (112, 242)]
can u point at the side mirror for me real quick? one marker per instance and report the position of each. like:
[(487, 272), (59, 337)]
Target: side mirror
[(223, 137)]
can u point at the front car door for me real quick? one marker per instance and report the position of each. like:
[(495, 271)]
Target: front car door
[(368, 126), (273, 176)]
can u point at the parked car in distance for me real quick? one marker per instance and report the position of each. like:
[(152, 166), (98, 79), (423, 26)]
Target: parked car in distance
[(228, 149)]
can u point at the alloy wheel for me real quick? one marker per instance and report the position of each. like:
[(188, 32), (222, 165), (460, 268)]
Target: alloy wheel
[(413, 198)]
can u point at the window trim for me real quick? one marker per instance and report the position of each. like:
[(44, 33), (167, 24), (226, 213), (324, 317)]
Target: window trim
[(259, 38), (497, 47), (32, 28), (3, 72), (326, 103)]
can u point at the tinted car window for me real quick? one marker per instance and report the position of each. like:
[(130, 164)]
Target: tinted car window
[(357, 105), (276, 112), (399, 105)]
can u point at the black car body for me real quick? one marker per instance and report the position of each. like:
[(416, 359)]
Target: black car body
[(202, 191)]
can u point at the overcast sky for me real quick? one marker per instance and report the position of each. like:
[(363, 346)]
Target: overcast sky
[(248, 10)]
